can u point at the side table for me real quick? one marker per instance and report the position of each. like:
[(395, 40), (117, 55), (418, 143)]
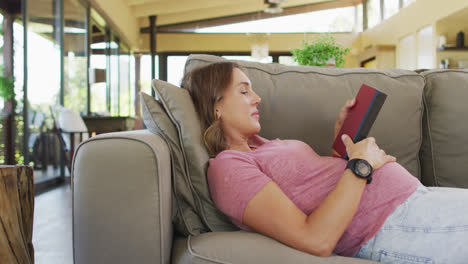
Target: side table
[(16, 214)]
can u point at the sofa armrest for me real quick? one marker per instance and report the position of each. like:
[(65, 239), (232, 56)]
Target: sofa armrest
[(121, 186)]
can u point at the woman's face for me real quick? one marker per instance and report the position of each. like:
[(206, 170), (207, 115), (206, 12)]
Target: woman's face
[(238, 107)]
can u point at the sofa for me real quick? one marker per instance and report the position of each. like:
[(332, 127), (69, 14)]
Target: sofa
[(126, 186)]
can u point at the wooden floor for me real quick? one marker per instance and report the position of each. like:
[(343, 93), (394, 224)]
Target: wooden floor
[(52, 231)]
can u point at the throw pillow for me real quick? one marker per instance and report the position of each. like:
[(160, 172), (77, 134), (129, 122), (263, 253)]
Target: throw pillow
[(184, 216), (179, 107)]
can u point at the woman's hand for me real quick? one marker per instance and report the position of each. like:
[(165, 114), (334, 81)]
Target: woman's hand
[(342, 115), (368, 150)]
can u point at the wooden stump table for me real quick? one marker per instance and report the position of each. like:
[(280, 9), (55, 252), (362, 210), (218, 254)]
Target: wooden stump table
[(16, 214)]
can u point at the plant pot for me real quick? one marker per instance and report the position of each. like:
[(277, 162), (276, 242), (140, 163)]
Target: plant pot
[(330, 62)]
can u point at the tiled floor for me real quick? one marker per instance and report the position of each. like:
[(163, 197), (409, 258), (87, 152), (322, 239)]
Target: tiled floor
[(52, 230), (50, 172)]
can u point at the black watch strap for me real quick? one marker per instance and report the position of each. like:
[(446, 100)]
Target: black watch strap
[(361, 168)]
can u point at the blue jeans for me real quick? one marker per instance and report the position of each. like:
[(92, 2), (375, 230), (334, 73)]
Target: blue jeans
[(431, 226)]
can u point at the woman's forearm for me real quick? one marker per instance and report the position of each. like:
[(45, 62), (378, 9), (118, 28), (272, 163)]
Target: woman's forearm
[(327, 223)]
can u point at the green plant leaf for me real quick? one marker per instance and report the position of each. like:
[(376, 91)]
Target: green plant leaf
[(319, 51)]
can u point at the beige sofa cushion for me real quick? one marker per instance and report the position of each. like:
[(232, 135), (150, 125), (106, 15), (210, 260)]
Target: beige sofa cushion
[(444, 153), (302, 103)]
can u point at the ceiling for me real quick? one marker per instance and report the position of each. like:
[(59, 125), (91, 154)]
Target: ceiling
[(175, 12), (130, 18)]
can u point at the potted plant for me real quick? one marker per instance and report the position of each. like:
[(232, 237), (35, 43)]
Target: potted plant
[(322, 51)]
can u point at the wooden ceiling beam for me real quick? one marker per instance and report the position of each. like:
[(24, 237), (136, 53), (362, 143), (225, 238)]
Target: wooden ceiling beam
[(193, 25)]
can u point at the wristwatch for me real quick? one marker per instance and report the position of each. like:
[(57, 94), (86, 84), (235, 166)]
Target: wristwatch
[(361, 168)]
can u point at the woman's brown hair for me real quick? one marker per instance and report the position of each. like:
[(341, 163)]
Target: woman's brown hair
[(206, 86)]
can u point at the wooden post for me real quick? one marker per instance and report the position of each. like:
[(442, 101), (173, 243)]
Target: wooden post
[(137, 84), (152, 20), (10, 105), (16, 214)]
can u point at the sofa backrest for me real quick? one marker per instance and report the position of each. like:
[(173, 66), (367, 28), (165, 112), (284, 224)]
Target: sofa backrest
[(302, 103), (444, 152)]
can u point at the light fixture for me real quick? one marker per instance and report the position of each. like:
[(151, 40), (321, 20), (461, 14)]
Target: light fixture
[(273, 6)]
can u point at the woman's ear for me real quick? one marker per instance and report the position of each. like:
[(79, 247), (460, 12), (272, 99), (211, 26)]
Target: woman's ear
[(218, 114)]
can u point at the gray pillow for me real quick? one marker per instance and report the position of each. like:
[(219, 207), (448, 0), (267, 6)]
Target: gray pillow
[(184, 216), (179, 107)]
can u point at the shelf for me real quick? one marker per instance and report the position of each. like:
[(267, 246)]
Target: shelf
[(452, 49)]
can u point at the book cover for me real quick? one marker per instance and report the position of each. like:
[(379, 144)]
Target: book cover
[(360, 118)]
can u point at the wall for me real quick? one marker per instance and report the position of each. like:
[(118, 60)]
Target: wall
[(121, 19), (450, 27), (409, 21)]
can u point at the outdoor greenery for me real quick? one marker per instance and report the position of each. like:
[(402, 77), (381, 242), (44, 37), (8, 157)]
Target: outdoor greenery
[(75, 90), (319, 51), (6, 84)]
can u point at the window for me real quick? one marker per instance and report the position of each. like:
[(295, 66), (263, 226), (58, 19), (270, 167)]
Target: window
[(57, 73), (75, 58), (406, 53), (287, 60), (426, 48), (43, 88), (124, 98), (268, 59), (98, 67), (373, 13), (175, 69), (132, 85), (44, 67), (407, 2), (359, 18), (114, 70), (391, 7), (330, 20), (145, 73)]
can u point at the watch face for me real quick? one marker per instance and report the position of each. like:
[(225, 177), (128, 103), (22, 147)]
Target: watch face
[(363, 168)]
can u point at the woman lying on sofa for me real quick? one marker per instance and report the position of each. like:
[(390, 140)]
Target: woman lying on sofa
[(320, 205)]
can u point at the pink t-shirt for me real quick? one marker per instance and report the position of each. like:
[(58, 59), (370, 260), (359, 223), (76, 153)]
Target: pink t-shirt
[(235, 177)]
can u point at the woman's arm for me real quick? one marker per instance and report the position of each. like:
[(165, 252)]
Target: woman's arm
[(272, 213)]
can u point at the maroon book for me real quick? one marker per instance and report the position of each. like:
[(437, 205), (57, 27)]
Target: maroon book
[(360, 118)]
